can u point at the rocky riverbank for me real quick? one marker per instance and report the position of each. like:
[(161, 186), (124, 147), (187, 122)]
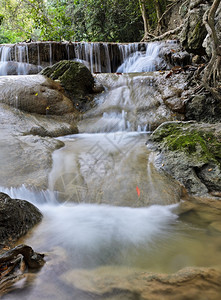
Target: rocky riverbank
[(191, 153)]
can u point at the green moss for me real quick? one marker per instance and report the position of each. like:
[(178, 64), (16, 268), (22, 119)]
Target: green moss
[(200, 145)]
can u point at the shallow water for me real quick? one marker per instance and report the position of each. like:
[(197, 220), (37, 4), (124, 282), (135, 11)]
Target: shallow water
[(106, 205), (94, 217)]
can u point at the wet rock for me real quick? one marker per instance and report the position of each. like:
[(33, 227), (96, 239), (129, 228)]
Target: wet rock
[(27, 144), (32, 259), (174, 55), (203, 108), (34, 94), (191, 153), (76, 79), (210, 175), (188, 283), (17, 217), (16, 68)]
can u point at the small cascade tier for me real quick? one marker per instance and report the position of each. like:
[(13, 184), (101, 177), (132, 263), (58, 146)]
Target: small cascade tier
[(30, 58)]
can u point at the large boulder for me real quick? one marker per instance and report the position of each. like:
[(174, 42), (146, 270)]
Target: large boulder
[(34, 94), (17, 217), (194, 31), (76, 79), (191, 153), (27, 144)]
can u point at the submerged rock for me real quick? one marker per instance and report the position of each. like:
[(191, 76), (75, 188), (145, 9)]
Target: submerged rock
[(75, 78), (17, 217), (191, 153), (124, 283), (17, 68)]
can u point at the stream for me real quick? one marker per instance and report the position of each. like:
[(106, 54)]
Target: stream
[(107, 207)]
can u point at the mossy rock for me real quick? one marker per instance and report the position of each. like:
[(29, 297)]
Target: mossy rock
[(75, 78), (200, 144), (191, 153)]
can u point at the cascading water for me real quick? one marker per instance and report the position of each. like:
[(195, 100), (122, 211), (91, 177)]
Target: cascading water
[(147, 61), (21, 54), (5, 56), (105, 204), (98, 57)]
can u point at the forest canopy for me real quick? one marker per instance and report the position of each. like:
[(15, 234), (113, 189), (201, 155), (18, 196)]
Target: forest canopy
[(77, 20)]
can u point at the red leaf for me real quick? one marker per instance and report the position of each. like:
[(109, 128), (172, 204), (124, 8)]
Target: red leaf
[(138, 191)]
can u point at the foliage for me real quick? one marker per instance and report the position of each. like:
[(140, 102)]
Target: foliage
[(88, 20)]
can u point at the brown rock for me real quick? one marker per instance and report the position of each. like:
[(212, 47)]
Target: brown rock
[(176, 104), (188, 283), (34, 94), (16, 218)]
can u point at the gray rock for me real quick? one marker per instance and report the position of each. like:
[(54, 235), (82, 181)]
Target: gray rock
[(203, 108), (17, 217), (191, 153), (16, 68), (194, 31), (27, 144)]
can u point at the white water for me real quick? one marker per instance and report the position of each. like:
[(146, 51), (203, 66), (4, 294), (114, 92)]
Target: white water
[(142, 62), (21, 55), (93, 213), (5, 56), (133, 60), (21, 58)]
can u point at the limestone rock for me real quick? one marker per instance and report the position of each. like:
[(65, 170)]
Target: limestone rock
[(17, 217), (191, 153), (34, 94), (194, 31), (27, 144), (75, 78)]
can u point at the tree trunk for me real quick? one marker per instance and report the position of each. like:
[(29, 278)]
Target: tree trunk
[(144, 15), (158, 9)]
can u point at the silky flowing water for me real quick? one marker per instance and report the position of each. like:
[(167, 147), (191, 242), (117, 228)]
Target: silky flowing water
[(107, 206)]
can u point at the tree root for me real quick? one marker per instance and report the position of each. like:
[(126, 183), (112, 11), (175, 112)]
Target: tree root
[(152, 38), (212, 73)]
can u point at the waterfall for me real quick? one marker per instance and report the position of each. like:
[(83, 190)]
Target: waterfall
[(108, 63), (127, 49), (39, 61), (98, 57), (147, 61), (89, 54), (22, 55), (5, 56), (50, 54)]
